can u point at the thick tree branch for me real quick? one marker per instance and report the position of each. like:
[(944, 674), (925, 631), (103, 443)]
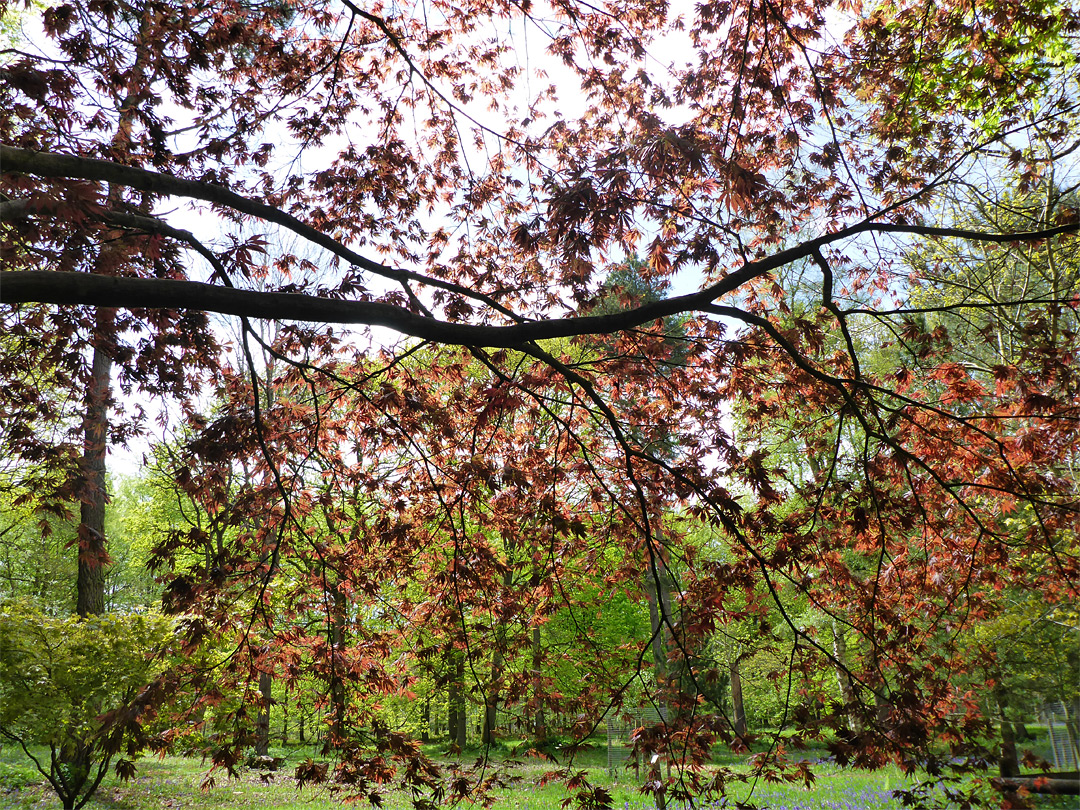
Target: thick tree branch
[(18, 287), (49, 164)]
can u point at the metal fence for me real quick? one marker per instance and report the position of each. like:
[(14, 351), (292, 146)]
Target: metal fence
[(1062, 738), (620, 729)]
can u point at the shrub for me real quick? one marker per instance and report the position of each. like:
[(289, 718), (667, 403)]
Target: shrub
[(75, 686)]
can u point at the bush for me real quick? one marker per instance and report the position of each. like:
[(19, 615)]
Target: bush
[(71, 685)]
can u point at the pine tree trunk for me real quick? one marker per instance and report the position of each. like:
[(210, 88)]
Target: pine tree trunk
[(491, 705), (498, 661), (93, 553)]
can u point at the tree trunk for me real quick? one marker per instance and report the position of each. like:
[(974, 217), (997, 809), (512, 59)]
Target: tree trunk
[(285, 720), (738, 710), (884, 708), (339, 614), (658, 592), (1008, 763), (452, 712), (337, 681), (462, 714), (262, 725), (456, 716), (657, 644), (491, 704), (93, 556), (539, 729), (493, 693)]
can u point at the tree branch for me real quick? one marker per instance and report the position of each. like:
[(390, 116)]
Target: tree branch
[(49, 164), (66, 288), (17, 287)]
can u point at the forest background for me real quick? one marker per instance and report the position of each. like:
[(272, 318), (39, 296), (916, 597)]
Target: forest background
[(738, 385)]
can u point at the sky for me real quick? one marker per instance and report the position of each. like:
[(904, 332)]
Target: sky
[(206, 227)]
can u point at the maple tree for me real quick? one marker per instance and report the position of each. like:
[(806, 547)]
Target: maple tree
[(467, 175)]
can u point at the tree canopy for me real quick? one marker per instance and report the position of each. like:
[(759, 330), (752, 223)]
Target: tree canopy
[(842, 197)]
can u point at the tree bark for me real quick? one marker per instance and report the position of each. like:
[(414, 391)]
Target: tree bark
[(1050, 784), (262, 725), (285, 720), (876, 682), (738, 710), (452, 711), (93, 553), (90, 289), (462, 735), (93, 556), (657, 643), (338, 702), (539, 728), (1008, 762), (456, 718), (883, 709), (498, 660), (491, 704), (658, 592)]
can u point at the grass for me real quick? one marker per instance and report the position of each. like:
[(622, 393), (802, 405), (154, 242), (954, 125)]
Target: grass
[(175, 782), (172, 782)]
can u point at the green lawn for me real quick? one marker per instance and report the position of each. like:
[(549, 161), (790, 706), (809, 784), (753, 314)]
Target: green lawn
[(176, 782)]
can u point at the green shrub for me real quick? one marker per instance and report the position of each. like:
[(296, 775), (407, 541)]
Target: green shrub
[(74, 686)]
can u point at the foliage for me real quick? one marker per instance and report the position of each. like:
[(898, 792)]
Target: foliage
[(77, 687), (482, 511), (34, 563)]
